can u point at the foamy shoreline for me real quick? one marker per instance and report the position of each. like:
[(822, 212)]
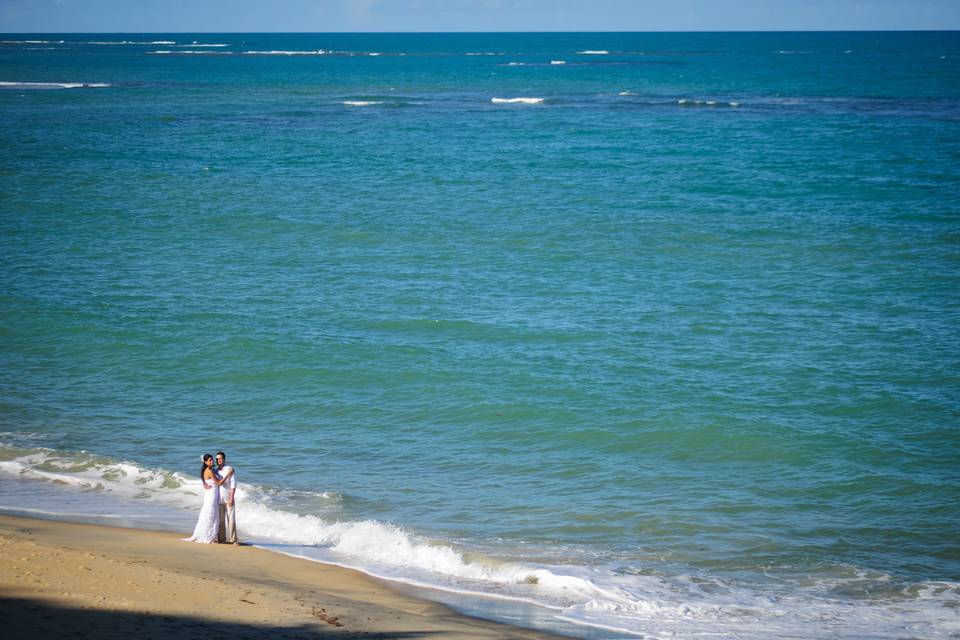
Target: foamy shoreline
[(58, 577)]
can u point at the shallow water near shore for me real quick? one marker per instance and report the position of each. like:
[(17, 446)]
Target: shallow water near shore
[(629, 334)]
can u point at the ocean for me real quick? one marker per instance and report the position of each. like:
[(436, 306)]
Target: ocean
[(612, 334)]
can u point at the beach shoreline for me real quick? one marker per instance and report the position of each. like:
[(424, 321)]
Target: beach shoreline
[(68, 580)]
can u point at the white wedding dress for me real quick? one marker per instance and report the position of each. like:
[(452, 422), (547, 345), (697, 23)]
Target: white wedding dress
[(208, 522)]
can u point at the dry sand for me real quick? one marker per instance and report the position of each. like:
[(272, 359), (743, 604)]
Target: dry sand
[(64, 580)]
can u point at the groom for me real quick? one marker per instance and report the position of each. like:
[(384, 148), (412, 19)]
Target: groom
[(228, 517)]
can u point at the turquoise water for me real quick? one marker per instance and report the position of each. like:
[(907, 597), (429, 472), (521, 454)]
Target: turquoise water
[(668, 347)]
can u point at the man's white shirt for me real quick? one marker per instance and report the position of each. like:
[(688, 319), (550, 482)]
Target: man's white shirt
[(228, 484)]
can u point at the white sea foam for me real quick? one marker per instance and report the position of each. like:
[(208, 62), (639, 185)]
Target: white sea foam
[(361, 103), (195, 44), (558, 62), (594, 52), (86, 471), (626, 93), (517, 100), (31, 41), (600, 596), (53, 85)]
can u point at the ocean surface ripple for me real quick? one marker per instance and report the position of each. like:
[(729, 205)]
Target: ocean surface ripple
[(659, 341)]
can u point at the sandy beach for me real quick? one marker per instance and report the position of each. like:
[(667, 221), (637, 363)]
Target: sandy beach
[(65, 580)]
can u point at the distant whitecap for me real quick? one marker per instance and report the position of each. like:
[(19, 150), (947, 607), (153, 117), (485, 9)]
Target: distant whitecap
[(318, 52), (689, 102), (53, 85), (127, 42), (517, 100), (31, 41), (186, 52)]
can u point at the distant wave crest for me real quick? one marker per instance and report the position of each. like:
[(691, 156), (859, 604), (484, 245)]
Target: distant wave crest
[(186, 52), (31, 41), (317, 52), (517, 100), (53, 85), (124, 42), (689, 102)]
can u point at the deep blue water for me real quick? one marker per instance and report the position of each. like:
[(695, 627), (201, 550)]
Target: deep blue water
[(674, 337)]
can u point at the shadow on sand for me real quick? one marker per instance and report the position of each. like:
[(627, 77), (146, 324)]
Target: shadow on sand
[(38, 620)]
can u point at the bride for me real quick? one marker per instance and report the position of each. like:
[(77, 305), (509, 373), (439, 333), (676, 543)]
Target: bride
[(209, 520)]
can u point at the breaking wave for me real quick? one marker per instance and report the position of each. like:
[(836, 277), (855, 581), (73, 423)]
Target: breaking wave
[(580, 592)]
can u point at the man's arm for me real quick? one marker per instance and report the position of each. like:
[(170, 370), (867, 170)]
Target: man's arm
[(233, 489)]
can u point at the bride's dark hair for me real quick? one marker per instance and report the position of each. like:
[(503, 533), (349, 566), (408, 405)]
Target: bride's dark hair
[(203, 467)]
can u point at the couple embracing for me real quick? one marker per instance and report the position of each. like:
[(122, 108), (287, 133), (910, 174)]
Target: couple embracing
[(217, 521)]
